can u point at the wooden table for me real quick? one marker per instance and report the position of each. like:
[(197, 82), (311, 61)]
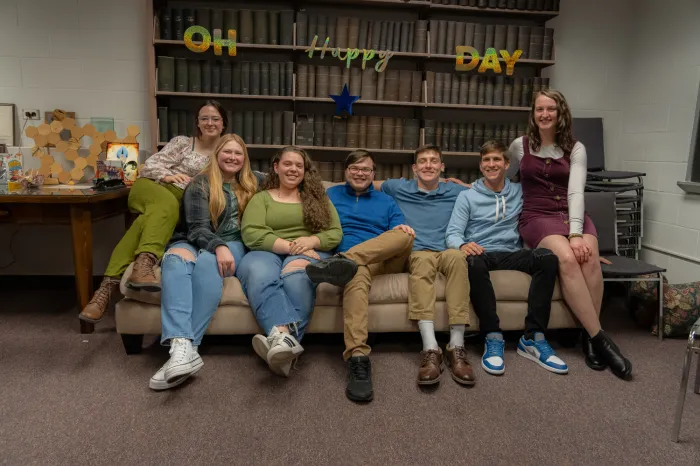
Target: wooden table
[(77, 207)]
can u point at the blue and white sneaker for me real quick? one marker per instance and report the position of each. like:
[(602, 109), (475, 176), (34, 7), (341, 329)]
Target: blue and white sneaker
[(492, 360), (538, 350)]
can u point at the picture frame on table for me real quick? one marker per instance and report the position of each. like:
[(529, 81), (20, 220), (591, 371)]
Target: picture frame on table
[(8, 116)]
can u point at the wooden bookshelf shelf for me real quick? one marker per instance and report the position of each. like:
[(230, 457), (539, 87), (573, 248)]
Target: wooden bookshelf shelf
[(461, 154), (521, 61), (480, 107), (362, 102), (350, 149), (502, 12), (258, 47), (225, 96)]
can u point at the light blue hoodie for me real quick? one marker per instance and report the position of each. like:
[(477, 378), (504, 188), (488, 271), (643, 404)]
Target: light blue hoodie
[(487, 218)]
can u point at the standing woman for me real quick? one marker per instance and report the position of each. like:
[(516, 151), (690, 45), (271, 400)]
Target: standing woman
[(286, 226), (199, 258), (156, 197), (553, 175)]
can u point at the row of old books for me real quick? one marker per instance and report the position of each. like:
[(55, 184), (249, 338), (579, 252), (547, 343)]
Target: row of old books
[(371, 132), (247, 78), (534, 41), (348, 32), (252, 26), (468, 137), (534, 5), (477, 89), (255, 127), (388, 85)]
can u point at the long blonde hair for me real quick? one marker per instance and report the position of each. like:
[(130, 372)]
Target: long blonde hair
[(245, 187)]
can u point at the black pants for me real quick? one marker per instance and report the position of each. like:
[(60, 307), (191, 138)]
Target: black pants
[(540, 263)]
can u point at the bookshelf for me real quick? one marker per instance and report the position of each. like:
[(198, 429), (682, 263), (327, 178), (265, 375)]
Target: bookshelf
[(271, 63)]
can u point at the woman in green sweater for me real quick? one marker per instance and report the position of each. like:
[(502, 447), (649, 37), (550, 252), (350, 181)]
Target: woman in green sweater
[(287, 225)]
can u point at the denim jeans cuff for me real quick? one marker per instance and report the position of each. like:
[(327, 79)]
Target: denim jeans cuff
[(165, 340)]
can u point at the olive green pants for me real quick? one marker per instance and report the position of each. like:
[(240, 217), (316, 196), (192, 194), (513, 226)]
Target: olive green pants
[(159, 209)]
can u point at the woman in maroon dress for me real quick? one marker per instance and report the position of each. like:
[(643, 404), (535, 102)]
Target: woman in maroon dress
[(553, 177)]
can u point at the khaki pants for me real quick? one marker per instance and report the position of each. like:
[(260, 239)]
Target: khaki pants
[(424, 266), (387, 253)]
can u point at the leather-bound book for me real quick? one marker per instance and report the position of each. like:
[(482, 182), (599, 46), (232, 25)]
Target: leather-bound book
[(517, 91), (353, 136), (411, 36), (383, 31), (463, 97), (498, 133), (305, 136), (524, 41), (502, 4), (194, 78), (459, 35), (545, 83), (454, 91), (405, 78), (508, 92), (531, 4), (258, 127), (387, 133), (181, 74), (522, 129), (265, 78), (216, 78), (481, 96), (445, 136), (522, 4), (450, 38), (331, 32), (416, 86), (202, 17), (178, 24), (548, 5), (206, 76), (166, 74), (311, 81), (490, 37), (355, 86), (390, 28), (498, 90), (353, 32), (376, 35), (228, 79), (482, 3), (430, 84), (469, 39), (411, 134), (480, 38), (245, 78), (478, 136), (536, 86), (248, 127), (381, 86), (335, 86), (302, 80), (461, 137), (260, 34), (391, 89), (267, 128), (273, 27), (438, 133), (526, 96), (327, 130), (340, 133), (338, 172), (362, 132), (536, 43), (398, 133), (245, 22), (254, 78), (442, 37), (277, 128), (302, 28), (469, 145), (286, 36), (345, 77), (183, 123), (439, 84), (362, 42), (230, 22), (547, 44), (493, 3), (454, 140), (217, 22), (396, 170), (404, 36), (318, 131), (539, 5), (500, 32), (322, 81), (429, 132), (163, 124), (489, 90), (396, 44), (312, 30), (434, 36), (369, 84), (288, 127), (512, 38), (473, 93), (341, 31), (512, 133), (166, 24), (374, 132), (237, 125), (274, 85)]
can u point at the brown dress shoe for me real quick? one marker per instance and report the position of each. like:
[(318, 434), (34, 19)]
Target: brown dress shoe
[(97, 306), (460, 368), (143, 275), (431, 367)]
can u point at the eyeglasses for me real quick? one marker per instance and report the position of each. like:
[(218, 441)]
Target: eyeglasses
[(212, 119), (363, 170)]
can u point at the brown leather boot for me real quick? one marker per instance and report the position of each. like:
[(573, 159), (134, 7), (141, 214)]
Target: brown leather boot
[(97, 306), (431, 367), (459, 365), (143, 275)]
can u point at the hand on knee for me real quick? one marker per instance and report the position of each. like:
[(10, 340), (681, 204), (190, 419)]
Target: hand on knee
[(295, 265)]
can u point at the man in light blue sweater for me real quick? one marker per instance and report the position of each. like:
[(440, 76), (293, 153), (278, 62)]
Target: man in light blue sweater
[(484, 225)]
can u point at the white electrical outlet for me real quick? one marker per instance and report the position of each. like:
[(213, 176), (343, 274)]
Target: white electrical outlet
[(31, 114)]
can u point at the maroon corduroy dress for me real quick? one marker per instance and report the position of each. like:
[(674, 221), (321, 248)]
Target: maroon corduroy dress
[(545, 184)]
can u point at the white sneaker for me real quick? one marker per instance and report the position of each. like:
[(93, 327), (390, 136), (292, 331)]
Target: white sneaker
[(261, 345), (184, 360), (283, 350), (158, 380)]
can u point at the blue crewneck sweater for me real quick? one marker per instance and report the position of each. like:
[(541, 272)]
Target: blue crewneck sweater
[(487, 218), (363, 216)]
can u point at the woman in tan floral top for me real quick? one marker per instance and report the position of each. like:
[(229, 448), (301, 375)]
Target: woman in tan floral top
[(156, 196)]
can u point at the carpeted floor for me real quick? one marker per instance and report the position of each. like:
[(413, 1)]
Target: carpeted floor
[(78, 399)]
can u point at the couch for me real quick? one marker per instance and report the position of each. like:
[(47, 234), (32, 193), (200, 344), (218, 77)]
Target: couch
[(138, 313)]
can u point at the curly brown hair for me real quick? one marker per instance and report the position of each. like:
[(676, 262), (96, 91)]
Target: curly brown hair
[(564, 137), (314, 201)]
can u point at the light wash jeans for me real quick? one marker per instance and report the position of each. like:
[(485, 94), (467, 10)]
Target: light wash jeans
[(191, 291), (278, 298)]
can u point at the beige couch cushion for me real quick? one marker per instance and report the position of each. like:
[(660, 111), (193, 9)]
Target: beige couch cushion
[(509, 285)]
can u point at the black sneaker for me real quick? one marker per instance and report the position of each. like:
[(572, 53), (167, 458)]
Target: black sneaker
[(359, 379), (336, 270)]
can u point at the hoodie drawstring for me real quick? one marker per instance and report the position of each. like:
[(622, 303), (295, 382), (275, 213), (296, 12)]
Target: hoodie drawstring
[(503, 208)]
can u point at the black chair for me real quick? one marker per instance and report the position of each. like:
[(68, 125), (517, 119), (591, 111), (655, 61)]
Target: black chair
[(600, 206)]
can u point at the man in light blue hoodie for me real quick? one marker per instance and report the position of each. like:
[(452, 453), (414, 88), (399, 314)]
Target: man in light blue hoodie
[(484, 225)]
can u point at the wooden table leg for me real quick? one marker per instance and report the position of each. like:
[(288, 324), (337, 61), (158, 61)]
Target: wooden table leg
[(81, 226)]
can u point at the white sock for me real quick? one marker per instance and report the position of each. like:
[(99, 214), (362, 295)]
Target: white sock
[(427, 333), (456, 335)]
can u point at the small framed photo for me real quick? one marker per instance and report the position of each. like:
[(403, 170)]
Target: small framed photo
[(7, 124)]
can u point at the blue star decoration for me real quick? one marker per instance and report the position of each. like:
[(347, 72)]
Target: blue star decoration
[(343, 103)]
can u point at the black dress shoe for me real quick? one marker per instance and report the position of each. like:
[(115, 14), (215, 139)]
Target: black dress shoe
[(592, 359), (610, 353), (335, 270), (359, 379)]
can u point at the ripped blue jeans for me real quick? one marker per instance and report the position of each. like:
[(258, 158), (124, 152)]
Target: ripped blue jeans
[(191, 291), (278, 298)]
